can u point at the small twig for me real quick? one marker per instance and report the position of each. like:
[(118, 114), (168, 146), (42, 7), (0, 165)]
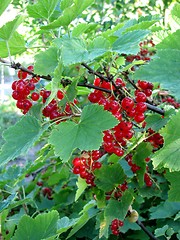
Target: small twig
[(88, 85), (20, 67), (129, 80), (49, 78), (149, 106), (146, 230), (91, 71)]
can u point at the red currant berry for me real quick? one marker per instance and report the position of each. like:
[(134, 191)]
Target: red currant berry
[(139, 118), (141, 97), (60, 95), (35, 96), (21, 74), (127, 103)]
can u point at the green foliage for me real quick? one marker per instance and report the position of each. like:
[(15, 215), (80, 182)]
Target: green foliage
[(93, 121), (129, 42), (3, 5), (52, 56), (96, 162), (7, 31), (173, 178), (42, 9), (26, 132), (168, 156), (41, 227), (115, 176), (16, 45), (168, 71), (174, 18), (70, 12)]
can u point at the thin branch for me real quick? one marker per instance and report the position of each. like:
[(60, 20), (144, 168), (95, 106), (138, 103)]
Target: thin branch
[(146, 230), (88, 85), (149, 106), (20, 67), (91, 71), (129, 80)]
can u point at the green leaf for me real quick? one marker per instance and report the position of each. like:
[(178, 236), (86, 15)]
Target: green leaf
[(98, 47), (42, 9), (73, 51), (42, 227), (177, 216), (69, 14), (16, 45), (81, 28), (5, 203), (116, 209), (174, 17), (109, 176), (89, 212), (143, 151), (64, 224), (65, 4), (56, 79), (161, 231), (165, 72), (70, 94), (173, 193), (7, 31), (164, 210), (86, 135), (3, 5), (82, 185), (19, 138), (141, 25), (170, 42), (156, 122), (128, 43), (51, 56), (169, 155)]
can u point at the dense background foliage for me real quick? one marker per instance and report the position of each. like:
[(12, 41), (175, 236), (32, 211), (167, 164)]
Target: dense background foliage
[(96, 94)]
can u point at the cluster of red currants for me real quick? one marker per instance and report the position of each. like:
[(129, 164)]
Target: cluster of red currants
[(135, 168), (53, 110), (155, 139), (115, 140), (115, 225), (107, 100), (145, 53), (23, 90), (117, 192), (25, 94), (47, 192), (172, 102), (86, 164), (135, 109)]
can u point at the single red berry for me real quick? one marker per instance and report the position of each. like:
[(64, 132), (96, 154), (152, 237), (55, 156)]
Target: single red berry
[(149, 183), (97, 82), (141, 97), (119, 152), (139, 117), (60, 95), (30, 68), (141, 107), (35, 96), (127, 103), (21, 74), (121, 223)]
